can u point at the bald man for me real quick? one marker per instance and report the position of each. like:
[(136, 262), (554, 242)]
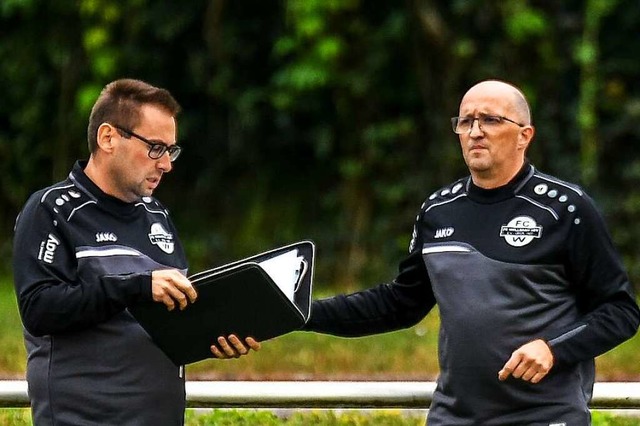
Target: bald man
[(527, 281)]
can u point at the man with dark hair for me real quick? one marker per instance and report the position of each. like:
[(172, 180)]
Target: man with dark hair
[(87, 248), (528, 284)]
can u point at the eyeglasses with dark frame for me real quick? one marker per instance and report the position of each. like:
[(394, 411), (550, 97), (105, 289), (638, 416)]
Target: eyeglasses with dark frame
[(462, 125), (156, 148)]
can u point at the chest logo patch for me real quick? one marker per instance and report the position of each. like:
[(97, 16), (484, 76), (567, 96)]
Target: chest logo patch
[(102, 237), (160, 237), (444, 232), (520, 231)]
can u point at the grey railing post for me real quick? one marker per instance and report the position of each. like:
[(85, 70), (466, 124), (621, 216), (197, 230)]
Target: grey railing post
[(329, 394)]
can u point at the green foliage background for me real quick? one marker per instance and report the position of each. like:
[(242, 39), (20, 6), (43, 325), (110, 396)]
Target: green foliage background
[(322, 119)]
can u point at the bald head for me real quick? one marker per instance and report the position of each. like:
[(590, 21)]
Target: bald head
[(498, 132), (511, 96)]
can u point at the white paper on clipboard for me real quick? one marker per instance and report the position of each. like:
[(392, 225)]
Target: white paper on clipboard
[(286, 270)]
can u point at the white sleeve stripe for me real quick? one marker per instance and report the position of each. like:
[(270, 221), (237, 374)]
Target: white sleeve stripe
[(567, 335), (445, 249), (106, 253)]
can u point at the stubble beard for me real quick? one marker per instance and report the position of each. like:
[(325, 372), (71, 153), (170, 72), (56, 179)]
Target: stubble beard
[(478, 164)]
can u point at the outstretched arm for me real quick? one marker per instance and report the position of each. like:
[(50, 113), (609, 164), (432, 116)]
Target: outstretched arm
[(386, 307)]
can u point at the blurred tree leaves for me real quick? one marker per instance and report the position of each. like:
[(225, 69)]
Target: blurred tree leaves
[(326, 120)]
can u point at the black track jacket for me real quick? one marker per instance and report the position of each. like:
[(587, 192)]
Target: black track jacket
[(80, 258), (529, 260)]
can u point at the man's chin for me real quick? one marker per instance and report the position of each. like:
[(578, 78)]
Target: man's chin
[(478, 165), (145, 192)]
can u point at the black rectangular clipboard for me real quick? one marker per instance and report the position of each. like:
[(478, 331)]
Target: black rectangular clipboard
[(238, 298)]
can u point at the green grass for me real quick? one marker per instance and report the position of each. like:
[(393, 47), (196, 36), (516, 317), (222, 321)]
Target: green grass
[(21, 417), (407, 354), (12, 354), (319, 417), (15, 417), (403, 355), (248, 417)]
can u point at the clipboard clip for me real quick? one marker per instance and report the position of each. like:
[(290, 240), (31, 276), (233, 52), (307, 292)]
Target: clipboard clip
[(300, 273)]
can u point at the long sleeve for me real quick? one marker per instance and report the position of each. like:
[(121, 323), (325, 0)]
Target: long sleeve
[(52, 298), (386, 307), (604, 294)]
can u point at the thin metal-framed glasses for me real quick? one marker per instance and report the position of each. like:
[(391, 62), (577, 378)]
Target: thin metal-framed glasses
[(463, 125), (156, 148)]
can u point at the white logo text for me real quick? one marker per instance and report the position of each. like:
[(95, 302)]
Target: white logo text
[(106, 236), (444, 232), (160, 237), (48, 249), (520, 231)]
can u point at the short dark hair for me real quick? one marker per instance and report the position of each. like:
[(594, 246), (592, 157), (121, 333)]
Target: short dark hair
[(119, 103)]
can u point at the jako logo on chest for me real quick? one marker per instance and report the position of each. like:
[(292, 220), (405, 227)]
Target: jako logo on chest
[(102, 237), (444, 232)]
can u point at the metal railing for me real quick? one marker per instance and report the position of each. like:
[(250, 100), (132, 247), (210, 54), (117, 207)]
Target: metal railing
[(328, 394)]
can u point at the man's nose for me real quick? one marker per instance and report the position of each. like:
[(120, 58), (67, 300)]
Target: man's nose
[(164, 162), (475, 129)]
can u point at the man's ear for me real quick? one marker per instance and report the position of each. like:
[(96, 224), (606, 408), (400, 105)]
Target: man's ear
[(105, 137), (525, 137)]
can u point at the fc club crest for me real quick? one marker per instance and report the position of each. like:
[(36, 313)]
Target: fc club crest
[(160, 237), (520, 231)]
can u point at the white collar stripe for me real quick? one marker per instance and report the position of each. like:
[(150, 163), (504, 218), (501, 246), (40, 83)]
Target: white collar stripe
[(55, 188), (537, 204), (444, 202), (557, 182)]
